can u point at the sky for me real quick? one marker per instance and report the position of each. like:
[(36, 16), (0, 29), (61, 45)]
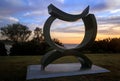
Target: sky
[(34, 13)]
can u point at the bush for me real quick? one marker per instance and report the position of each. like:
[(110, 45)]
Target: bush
[(114, 45), (106, 46), (3, 51), (29, 48)]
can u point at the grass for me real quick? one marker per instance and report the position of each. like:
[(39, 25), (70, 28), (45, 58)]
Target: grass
[(14, 68)]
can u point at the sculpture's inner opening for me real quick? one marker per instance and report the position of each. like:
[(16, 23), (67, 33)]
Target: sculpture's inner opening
[(70, 34)]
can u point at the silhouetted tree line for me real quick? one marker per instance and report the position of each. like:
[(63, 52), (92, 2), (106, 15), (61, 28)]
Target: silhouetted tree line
[(109, 45), (22, 45), (29, 48), (19, 35)]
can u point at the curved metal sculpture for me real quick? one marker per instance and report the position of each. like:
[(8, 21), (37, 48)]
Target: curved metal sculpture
[(90, 34)]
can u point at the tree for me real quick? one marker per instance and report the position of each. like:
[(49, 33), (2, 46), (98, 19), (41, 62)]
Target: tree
[(57, 41), (114, 45), (108, 45), (16, 32), (38, 35)]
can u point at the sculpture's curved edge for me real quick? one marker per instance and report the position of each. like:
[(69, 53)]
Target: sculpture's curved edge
[(49, 58), (90, 32), (54, 55), (46, 33), (54, 11)]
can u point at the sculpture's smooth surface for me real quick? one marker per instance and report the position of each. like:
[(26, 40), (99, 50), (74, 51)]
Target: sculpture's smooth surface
[(55, 12), (54, 55), (90, 34)]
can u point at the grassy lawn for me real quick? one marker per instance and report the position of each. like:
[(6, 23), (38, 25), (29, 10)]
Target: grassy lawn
[(14, 68)]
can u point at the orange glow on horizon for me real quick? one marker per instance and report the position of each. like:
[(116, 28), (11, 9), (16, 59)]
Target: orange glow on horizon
[(101, 36), (73, 38), (68, 38), (76, 38)]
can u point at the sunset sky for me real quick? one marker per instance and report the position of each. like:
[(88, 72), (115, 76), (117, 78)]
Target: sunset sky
[(34, 13)]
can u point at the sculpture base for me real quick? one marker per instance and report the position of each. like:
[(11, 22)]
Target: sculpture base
[(59, 70)]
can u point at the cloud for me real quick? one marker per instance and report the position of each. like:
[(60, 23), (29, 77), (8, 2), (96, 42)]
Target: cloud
[(67, 27), (12, 19), (8, 20), (62, 1), (15, 2), (43, 4), (36, 13), (108, 25), (26, 10), (13, 7), (99, 5), (105, 29), (109, 20), (115, 11), (107, 5), (32, 26), (70, 29), (113, 4)]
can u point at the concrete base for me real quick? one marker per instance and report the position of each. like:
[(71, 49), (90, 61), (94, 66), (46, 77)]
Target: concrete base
[(59, 70)]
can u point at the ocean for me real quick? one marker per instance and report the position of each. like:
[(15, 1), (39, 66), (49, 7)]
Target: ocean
[(69, 46)]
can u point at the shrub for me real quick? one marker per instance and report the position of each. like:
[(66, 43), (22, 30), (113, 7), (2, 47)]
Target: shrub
[(109, 45), (29, 48), (3, 51)]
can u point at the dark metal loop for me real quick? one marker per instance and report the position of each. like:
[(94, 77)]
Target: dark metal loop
[(90, 33), (55, 12)]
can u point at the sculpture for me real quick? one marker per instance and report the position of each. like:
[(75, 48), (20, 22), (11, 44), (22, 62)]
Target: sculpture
[(90, 34)]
